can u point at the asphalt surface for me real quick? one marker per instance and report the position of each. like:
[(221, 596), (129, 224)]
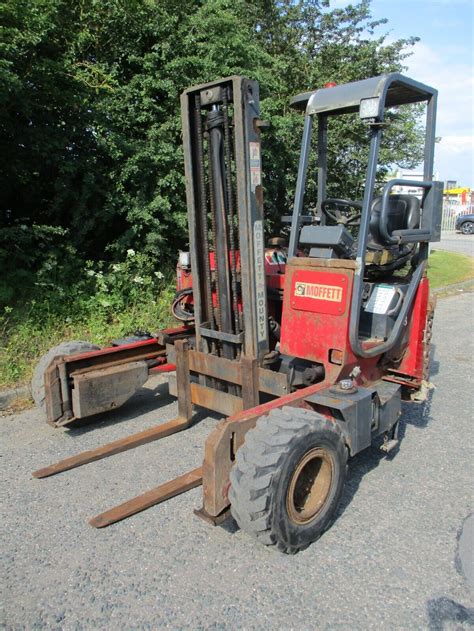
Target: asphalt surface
[(394, 559), (456, 242)]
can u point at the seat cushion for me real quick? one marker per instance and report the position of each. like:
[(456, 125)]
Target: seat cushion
[(403, 213)]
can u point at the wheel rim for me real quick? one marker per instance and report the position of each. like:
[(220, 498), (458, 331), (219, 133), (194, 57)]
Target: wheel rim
[(310, 486), (467, 228)]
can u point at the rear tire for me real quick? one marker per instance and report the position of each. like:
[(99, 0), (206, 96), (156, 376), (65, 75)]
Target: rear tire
[(467, 227), (288, 478), (66, 348)]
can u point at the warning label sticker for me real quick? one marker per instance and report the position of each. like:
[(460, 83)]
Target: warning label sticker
[(255, 165), (381, 299), (255, 177), (254, 150)]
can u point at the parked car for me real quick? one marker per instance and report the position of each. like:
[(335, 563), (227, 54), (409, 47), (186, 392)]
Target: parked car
[(465, 223)]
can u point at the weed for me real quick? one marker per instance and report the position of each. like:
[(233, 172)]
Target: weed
[(107, 300)]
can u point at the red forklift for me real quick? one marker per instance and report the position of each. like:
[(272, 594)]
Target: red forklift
[(307, 347)]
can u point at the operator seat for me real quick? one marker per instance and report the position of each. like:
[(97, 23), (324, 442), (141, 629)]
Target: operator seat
[(403, 214)]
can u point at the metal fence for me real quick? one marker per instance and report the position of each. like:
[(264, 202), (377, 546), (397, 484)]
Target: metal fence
[(451, 210)]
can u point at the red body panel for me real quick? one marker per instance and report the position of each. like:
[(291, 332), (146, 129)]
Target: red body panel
[(306, 333), (315, 316), (317, 329), (275, 265), (412, 363), (315, 322)]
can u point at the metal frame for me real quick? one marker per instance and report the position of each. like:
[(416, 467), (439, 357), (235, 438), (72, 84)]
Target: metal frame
[(390, 90), (66, 392), (247, 341)]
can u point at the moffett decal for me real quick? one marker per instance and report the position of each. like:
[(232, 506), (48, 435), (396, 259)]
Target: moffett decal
[(260, 289), (319, 292)]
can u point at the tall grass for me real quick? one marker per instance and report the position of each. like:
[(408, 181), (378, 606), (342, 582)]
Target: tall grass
[(449, 268), (105, 302)]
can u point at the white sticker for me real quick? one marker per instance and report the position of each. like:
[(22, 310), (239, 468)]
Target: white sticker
[(255, 177), (380, 300), (254, 150), (255, 165)]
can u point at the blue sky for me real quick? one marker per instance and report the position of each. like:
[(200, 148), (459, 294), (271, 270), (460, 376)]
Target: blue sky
[(443, 59)]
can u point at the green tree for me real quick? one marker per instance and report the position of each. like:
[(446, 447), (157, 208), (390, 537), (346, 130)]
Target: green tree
[(89, 95)]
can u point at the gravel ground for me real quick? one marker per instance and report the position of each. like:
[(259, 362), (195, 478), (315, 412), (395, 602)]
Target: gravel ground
[(391, 559)]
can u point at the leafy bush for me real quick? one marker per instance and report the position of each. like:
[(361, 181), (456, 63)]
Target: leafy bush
[(107, 300)]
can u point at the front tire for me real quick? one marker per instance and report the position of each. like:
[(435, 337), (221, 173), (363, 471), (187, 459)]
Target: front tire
[(288, 478)]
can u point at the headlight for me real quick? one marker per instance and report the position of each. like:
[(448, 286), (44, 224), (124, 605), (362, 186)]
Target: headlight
[(369, 108)]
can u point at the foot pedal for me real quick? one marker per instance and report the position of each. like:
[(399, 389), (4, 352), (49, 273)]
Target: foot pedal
[(389, 445)]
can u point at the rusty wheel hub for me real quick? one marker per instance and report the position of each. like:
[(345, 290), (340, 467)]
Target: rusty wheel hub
[(309, 486)]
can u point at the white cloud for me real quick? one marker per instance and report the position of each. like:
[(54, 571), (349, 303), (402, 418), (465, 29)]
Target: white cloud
[(454, 159), (457, 144), (454, 81), (450, 70)]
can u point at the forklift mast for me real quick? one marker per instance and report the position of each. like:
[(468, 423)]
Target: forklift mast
[(222, 155)]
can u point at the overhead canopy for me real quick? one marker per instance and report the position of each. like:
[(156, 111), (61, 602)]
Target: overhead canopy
[(393, 89)]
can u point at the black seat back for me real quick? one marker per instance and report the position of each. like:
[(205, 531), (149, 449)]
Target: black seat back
[(403, 213)]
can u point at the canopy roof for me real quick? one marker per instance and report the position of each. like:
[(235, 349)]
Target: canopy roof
[(394, 89)]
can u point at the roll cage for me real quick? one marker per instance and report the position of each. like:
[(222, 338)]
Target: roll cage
[(371, 97)]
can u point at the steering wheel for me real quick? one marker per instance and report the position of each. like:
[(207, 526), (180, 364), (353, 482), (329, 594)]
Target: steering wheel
[(341, 214)]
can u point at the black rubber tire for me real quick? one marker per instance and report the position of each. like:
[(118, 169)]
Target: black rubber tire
[(263, 470), (467, 227), (65, 348)]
